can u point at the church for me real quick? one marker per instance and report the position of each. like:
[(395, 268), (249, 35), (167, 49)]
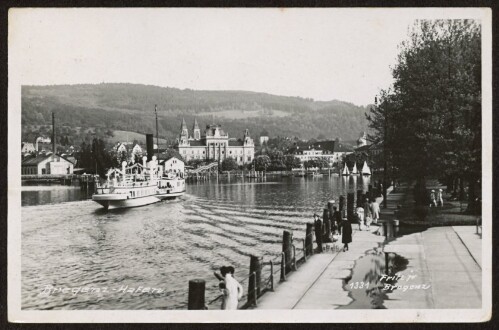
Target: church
[(214, 144)]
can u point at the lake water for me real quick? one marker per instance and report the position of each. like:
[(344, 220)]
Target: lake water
[(70, 246)]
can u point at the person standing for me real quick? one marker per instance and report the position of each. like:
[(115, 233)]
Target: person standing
[(360, 217), (440, 200), (318, 232), (231, 289), (346, 236)]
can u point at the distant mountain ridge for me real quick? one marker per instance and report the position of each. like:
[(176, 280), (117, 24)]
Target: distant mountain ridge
[(130, 107)]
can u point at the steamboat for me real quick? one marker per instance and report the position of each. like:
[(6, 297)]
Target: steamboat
[(138, 185)]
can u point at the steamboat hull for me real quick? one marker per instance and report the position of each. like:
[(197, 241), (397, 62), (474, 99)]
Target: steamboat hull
[(115, 201)]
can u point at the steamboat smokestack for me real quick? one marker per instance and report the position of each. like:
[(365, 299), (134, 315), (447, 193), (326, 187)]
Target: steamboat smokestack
[(53, 133), (150, 146)]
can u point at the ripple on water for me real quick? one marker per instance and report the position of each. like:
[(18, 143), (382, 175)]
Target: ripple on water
[(78, 244)]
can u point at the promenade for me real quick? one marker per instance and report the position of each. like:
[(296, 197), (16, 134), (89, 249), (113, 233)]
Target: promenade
[(445, 259)]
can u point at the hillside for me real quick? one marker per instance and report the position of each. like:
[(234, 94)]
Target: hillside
[(126, 107)]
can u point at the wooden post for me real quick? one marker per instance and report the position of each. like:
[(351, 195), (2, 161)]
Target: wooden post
[(370, 192), (326, 225), (309, 249), (287, 248), (252, 289), (342, 204), (305, 246), (283, 272), (196, 294), (360, 198), (271, 275), (255, 268), (318, 235), (294, 258), (330, 205), (350, 204)]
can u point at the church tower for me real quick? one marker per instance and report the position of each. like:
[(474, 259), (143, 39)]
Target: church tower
[(196, 131), (248, 141), (184, 134)]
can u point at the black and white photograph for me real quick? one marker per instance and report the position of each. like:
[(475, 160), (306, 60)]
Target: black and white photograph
[(249, 165)]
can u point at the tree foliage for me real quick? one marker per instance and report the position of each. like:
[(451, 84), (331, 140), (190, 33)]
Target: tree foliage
[(229, 164), (430, 120)]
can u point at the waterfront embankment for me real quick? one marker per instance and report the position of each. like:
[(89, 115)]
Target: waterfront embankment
[(431, 258)]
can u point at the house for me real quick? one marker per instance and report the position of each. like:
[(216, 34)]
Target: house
[(173, 165), (214, 144), (331, 151), (264, 139), (46, 164)]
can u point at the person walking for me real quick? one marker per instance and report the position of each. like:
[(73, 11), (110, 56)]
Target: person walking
[(440, 200), (433, 201), (318, 232), (346, 236), (375, 210), (231, 290)]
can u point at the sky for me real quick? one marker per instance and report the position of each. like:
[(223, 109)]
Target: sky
[(324, 54)]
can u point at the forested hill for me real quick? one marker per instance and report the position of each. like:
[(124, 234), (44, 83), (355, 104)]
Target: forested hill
[(129, 107)]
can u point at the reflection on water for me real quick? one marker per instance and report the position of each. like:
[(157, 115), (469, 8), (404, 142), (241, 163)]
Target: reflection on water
[(79, 245), (39, 194), (366, 286)]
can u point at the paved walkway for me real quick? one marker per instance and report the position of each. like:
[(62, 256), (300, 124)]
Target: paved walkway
[(446, 259)]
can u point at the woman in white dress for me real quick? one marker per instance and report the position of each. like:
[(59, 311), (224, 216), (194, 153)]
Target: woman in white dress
[(232, 291)]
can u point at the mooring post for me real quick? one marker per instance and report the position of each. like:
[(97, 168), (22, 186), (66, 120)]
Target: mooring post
[(305, 249), (350, 204), (294, 258), (360, 199), (327, 225), (287, 248), (271, 275), (309, 242), (283, 267), (255, 295), (341, 206), (255, 268), (196, 294)]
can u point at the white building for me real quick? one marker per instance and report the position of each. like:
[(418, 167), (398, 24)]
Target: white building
[(263, 139), (331, 151), (46, 164), (173, 165), (214, 145)]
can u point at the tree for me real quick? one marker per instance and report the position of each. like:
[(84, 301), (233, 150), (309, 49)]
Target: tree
[(262, 163), (321, 163), (95, 158), (229, 164), (290, 161), (430, 120), (276, 160)]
